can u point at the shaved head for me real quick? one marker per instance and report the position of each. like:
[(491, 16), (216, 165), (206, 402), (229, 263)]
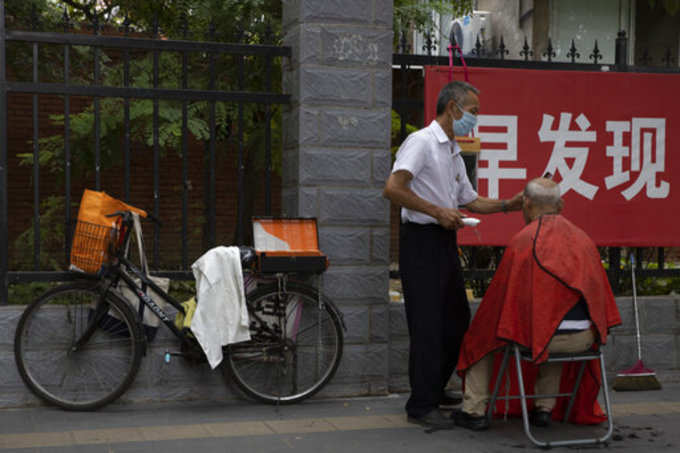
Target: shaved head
[(542, 192), (541, 196)]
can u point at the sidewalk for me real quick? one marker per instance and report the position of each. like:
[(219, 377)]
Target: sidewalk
[(645, 421)]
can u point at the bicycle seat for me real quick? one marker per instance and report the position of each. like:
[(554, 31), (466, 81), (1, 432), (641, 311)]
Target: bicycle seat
[(248, 256)]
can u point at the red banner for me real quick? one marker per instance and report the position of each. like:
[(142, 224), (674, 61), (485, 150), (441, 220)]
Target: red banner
[(612, 140)]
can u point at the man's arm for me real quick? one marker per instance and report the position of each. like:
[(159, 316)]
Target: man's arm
[(483, 205), (397, 190)]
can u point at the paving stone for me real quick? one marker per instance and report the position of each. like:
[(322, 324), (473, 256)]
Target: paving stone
[(342, 11), (380, 245), (362, 362), (661, 315), (357, 320), (325, 166), (351, 127), (625, 306), (346, 245), (353, 206), (330, 86), (383, 11), (305, 42), (382, 88), (380, 323), (299, 202), (357, 284), (9, 317), (382, 164), (398, 324), (399, 357), (342, 45)]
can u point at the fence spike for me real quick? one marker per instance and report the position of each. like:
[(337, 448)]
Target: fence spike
[(478, 48), (95, 22), (502, 51), (573, 54), (269, 35), (154, 24), (596, 55), (645, 59), (65, 20), (667, 58), (240, 32), (184, 24), (35, 18), (429, 45), (403, 43), (126, 25), (526, 51), (549, 52)]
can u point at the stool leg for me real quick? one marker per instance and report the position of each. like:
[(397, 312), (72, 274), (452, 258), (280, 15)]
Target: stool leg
[(523, 401), (499, 378), (573, 392), (607, 403)]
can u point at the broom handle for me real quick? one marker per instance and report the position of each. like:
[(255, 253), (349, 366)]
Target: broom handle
[(635, 307)]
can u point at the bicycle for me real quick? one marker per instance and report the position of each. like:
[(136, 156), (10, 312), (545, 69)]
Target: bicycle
[(79, 346)]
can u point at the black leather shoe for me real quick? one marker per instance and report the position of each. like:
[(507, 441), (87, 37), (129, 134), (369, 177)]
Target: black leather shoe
[(450, 399), (540, 418), (475, 423), (433, 419)]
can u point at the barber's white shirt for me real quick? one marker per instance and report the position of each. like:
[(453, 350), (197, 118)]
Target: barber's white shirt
[(438, 170)]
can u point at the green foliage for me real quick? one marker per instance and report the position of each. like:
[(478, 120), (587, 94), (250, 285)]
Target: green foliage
[(395, 133), (671, 6), (25, 293), (418, 14), (247, 21), (51, 239)]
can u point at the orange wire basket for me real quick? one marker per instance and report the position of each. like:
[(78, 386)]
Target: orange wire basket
[(91, 247)]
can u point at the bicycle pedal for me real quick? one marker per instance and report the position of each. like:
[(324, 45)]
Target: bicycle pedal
[(168, 355)]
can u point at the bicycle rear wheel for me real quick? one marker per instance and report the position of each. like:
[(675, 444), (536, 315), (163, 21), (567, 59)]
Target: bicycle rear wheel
[(295, 347), (77, 350)]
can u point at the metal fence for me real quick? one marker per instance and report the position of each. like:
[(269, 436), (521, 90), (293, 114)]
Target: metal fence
[(408, 102), (129, 45)]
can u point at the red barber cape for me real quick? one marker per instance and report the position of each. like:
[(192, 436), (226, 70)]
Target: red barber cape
[(547, 267)]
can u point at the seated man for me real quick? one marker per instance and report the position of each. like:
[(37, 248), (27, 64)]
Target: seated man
[(549, 294)]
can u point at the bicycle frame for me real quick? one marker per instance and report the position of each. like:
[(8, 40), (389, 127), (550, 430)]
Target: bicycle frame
[(130, 268), (124, 270)]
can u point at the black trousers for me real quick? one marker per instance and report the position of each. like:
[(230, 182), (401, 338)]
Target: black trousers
[(437, 310)]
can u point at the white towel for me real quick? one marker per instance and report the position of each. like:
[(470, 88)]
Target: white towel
[(221, 316)]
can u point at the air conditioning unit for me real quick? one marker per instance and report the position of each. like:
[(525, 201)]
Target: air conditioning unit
[(466, 29)]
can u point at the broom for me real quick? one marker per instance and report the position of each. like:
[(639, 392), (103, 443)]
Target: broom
[(638, 377)]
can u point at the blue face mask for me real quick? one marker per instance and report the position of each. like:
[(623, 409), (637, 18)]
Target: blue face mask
[(463, 126)]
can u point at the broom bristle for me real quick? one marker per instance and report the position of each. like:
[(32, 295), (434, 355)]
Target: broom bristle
[(632, 382)]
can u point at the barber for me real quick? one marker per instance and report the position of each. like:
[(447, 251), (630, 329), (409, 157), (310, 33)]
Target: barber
[(430, 183)]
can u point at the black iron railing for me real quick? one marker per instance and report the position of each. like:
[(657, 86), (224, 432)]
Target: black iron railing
[(130, 46), (411, 107)]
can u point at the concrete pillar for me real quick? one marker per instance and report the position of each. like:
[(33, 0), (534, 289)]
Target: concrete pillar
[(336, 136)]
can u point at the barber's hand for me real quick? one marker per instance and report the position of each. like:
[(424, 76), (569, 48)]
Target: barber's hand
[(515, 203), (451, 219)]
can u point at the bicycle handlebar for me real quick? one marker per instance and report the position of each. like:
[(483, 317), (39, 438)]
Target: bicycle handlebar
[(125, 215)]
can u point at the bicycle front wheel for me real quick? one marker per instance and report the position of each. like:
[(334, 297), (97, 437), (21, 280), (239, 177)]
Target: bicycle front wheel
[(295, 346), (76, 348)]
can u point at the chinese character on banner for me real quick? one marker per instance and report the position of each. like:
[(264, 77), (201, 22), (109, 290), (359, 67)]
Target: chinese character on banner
[(493, 171), (650, 167), (571, 176)]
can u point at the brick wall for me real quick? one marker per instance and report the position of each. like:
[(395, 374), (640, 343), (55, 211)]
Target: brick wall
[(21, 184)]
